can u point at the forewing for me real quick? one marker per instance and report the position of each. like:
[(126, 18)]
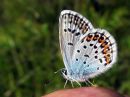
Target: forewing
[(72, 26), (94, 53)]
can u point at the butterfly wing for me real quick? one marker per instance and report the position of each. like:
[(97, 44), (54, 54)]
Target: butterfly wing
[(72, 26), (94, 53)]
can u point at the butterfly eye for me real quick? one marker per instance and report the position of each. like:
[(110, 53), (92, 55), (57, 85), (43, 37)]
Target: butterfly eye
[(64, 71)]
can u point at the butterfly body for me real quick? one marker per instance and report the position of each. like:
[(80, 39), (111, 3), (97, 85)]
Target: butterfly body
[(87, 51)]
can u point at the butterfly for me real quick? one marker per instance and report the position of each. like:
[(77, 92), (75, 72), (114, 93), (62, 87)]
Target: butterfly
[(86, 51)]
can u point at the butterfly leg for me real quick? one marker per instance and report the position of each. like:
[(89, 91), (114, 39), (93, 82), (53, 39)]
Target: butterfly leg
[(89, 82), (86, 82), (58, 70), (72, 84), (65, 83), (78, 83)]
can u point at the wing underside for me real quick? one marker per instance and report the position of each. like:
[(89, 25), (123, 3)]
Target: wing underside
[(95, 53), (86, 51), (72, 26)]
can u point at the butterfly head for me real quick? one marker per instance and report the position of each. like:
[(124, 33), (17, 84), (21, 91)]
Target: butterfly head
[(64, 73)]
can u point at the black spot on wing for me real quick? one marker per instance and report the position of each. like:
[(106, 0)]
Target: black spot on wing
[(78, 51), (84, 62), (69, 29), (105, 64), (82, 40), (65, 30), (81, 19), (86, 55), (96, 51), (77, 34), (69, 43), (73, 31), (100, 60), (84, 46), (91, 44), (95, 46), (95, 57)]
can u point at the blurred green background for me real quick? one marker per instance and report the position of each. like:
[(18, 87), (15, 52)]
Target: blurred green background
[(29, 45)]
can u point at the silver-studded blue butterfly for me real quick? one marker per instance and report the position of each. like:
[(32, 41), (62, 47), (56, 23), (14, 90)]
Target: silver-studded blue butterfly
[(87, 51)]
